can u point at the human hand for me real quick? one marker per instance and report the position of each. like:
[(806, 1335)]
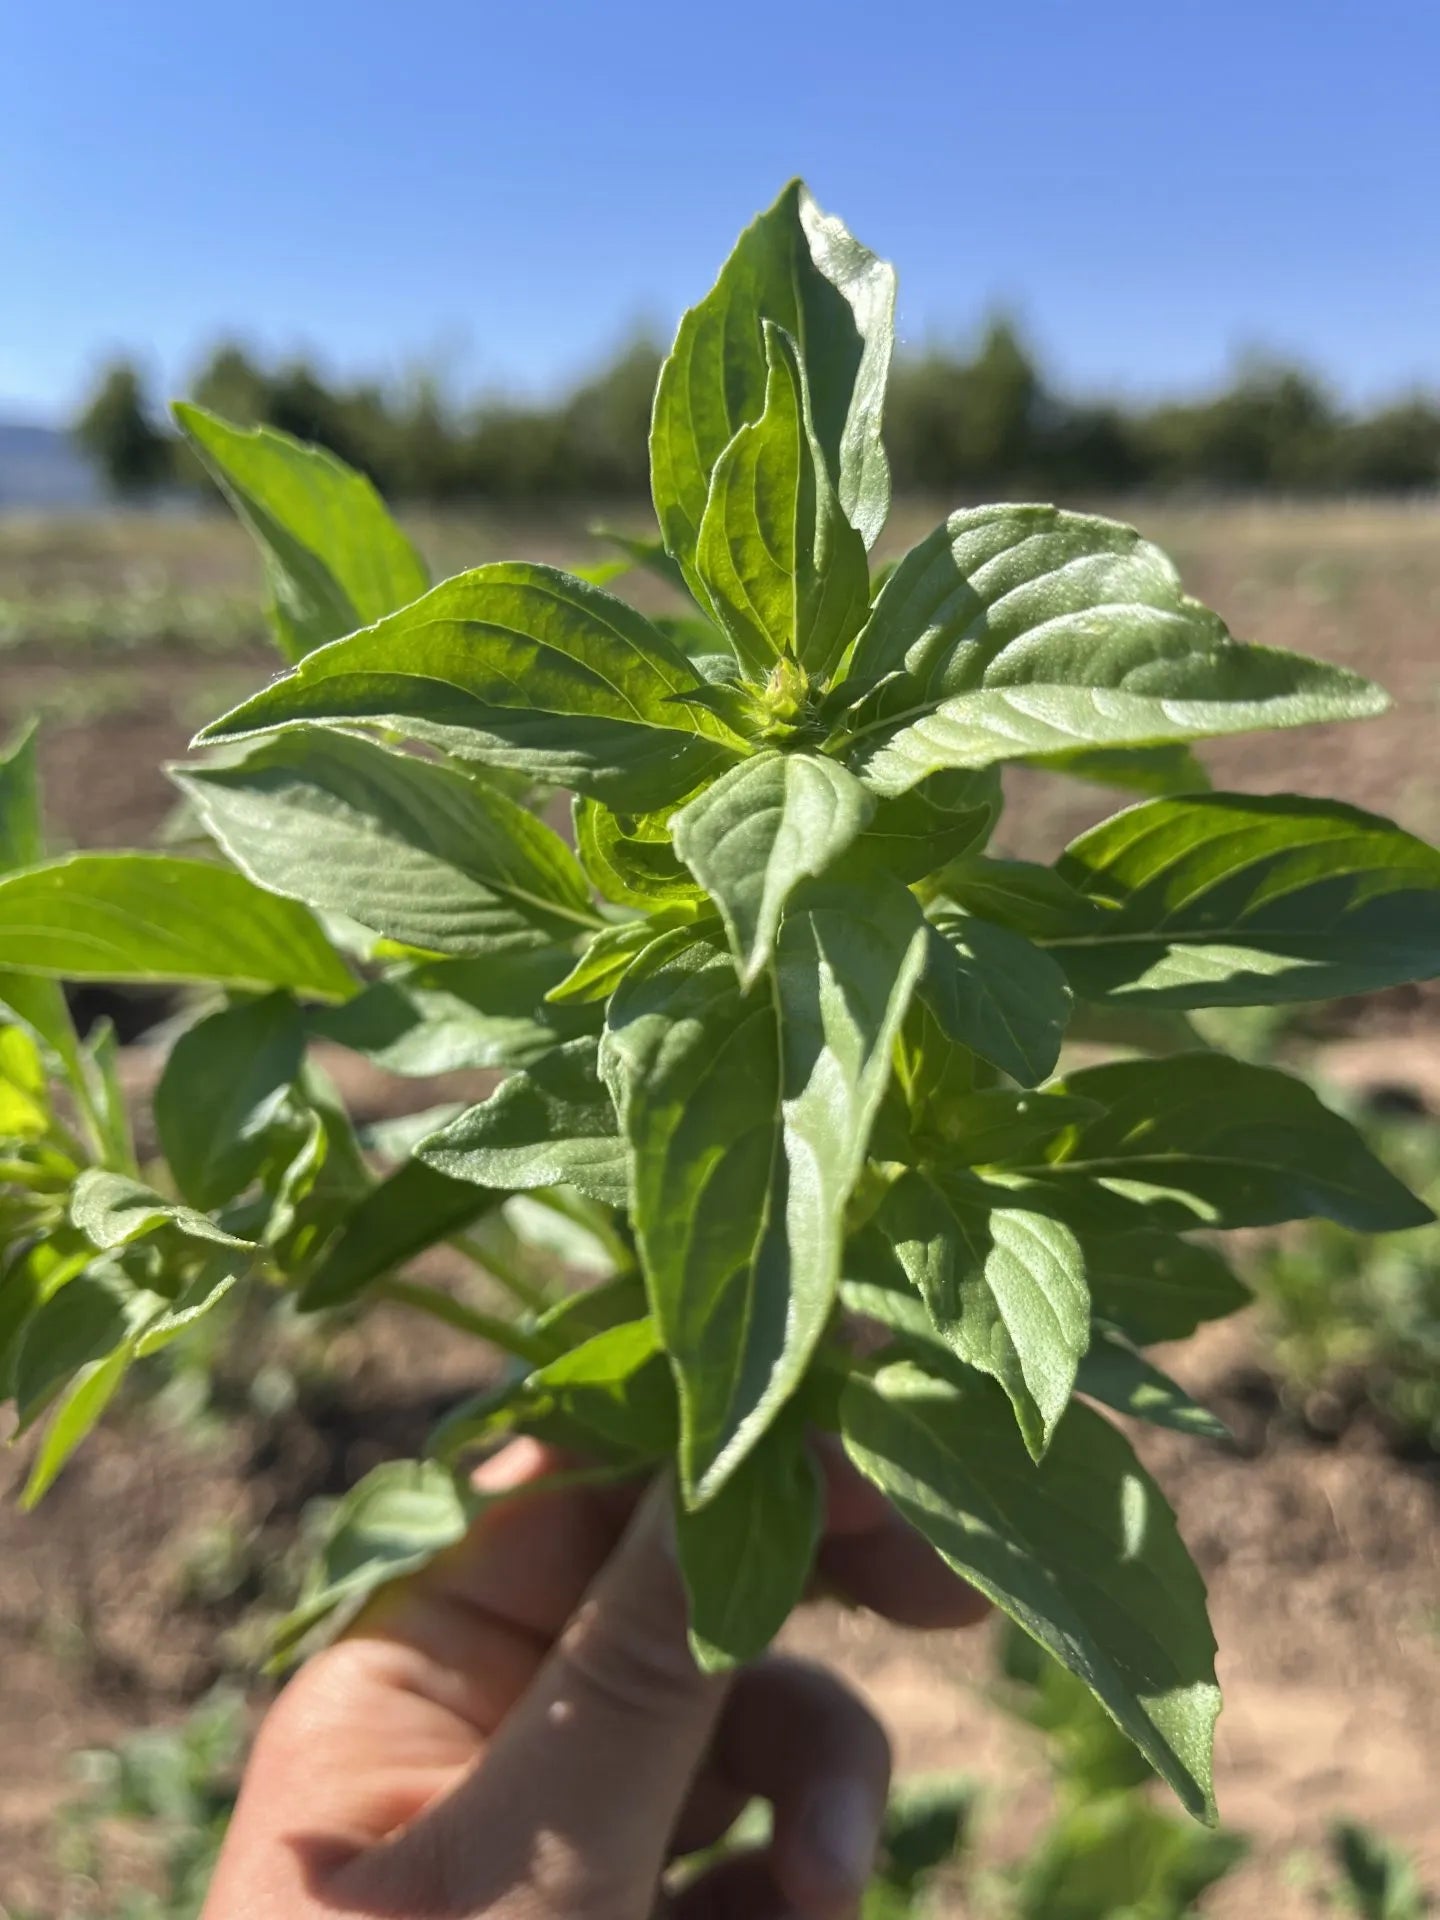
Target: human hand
[(519, 1732)]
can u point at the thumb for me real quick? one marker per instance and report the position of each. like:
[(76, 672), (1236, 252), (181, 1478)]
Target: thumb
[(572, 1808)]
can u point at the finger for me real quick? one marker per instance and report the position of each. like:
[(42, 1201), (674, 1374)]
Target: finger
[(878, 1560), (375, 1728), (743, 1887), (572, 1809), (797, 1736)]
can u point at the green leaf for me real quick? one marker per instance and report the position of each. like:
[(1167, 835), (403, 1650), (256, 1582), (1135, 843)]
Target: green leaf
[(765, 826), (1005, 1287), (989, 1125), (609, 1398), (414, 1208), (22, 842), (1202, 1140), (1115, 1857), (522, 667), (551, 1125), (1014, 631), (1380, 1881), (649, 555), (747, 1119), (991, 990), (1168, 769), (148, 916), (440, 1015), (1156, 1287), (418, 852), (113, 1211), (798, 268), (912, 834), (629, 858), (783, 569), (104, 1100), (33, 1269), (334, 558), (610, 955), (746, 1555), (224, 1087), (40, 1006), (1234, 900), (321, 1176), (79, 1325), (1018, 894), (24, 1098), (394, 1522), (38, 1003), (1080, 1549), (205, 1292), (80, 1408), (1118, 1377), (926, 1822)]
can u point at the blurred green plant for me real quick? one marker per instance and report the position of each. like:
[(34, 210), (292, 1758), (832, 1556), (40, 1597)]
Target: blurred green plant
[(1377, 1880), (153, 1809), (1351, 1325)]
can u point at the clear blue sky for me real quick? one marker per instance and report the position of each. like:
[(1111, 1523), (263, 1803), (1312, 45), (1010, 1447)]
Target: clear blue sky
[(504, 190)]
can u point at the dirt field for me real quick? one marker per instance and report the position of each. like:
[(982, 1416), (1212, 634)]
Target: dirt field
[(1322, 1561)]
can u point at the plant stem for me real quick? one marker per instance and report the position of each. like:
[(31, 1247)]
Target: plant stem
[(485, 1326), (527, 1292)]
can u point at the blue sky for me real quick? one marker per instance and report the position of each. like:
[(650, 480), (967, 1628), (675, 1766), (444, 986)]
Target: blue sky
[(501, 192)]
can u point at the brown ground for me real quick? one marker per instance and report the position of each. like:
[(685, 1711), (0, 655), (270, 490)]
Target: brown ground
[(1322, 1562)]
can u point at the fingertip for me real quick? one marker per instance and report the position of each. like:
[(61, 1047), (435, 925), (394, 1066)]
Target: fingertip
[(824, 1858)]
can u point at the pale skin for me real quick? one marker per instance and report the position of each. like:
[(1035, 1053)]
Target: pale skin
[(520, 1731)]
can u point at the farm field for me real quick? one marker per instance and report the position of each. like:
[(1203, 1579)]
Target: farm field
[(129, 1593)]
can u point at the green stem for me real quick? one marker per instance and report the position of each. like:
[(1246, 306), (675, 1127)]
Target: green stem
[(485, 1326), (531, 1296)]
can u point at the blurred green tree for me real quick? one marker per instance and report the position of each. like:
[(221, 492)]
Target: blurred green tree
[(118, 431)]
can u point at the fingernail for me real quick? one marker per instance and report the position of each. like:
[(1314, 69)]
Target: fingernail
[(842, 1834)]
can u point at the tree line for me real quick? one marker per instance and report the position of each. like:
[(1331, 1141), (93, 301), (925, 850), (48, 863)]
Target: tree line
[(956, 424)]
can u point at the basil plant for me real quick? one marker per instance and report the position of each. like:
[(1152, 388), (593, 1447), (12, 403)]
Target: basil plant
[(781, 1048)]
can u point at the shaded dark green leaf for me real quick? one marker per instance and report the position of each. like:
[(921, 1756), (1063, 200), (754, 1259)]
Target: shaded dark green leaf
[(1118, 1377), (943, 818), (1239, 900), (992, 991), (746, 1555), (224, 1086), (440, 1015), (413, 1208), (1168, 769), (1156, 1287), (1080, 1549), (552, 1124), (1202, 1140)]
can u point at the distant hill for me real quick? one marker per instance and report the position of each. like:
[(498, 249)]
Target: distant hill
[(41, 467)]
